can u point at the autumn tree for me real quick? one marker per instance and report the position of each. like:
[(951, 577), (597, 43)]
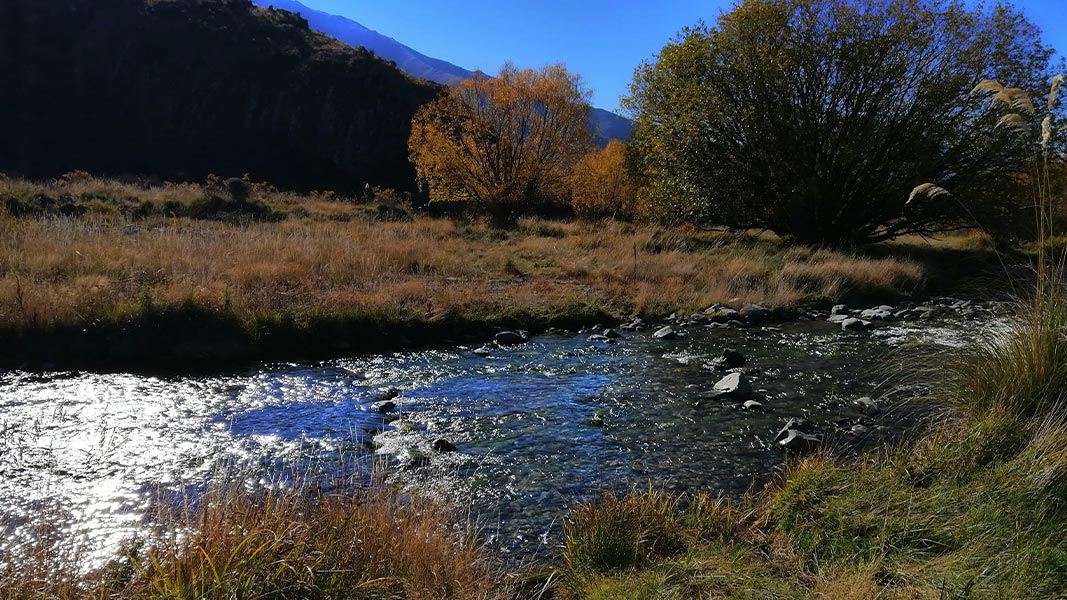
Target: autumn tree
[(601, 187), (816, 118), (503, 142)]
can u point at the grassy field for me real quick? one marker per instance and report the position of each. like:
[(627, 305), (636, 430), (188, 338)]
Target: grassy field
[(86, 263)]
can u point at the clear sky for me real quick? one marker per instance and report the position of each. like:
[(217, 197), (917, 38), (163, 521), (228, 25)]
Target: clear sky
[(604, 40)]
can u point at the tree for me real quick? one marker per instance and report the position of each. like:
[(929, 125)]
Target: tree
[(816, 118), (601, 187), (504, 141)]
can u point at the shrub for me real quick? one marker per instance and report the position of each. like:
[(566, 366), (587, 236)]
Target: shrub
[(601, 187), (240, 190), (815, 118)]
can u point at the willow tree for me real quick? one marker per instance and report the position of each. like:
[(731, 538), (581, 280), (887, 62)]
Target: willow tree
[(816, 118), (505, 141)]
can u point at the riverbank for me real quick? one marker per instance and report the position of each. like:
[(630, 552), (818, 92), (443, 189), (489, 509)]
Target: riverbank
[(113, 276), (975, 509)]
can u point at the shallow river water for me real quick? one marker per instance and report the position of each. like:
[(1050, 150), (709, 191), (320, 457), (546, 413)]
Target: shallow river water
[(103, 448)]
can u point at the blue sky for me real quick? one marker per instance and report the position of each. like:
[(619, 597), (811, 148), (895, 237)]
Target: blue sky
[(604, 40)]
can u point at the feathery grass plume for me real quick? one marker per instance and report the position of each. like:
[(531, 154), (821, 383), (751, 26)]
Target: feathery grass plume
[(930, 190), (987, 86), (1046, 131), (1057, 82), (1012, 97), (1013, 121)]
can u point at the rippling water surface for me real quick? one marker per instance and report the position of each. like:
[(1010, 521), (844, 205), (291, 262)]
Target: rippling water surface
[(103, 448)]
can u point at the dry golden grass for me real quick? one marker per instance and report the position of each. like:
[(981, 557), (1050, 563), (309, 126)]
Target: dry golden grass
[(293, 544), (332, 257)]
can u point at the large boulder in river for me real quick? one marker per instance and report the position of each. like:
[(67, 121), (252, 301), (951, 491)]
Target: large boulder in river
[(384, 406), (734, 384), (798, 435), (879, 313), (800, 442), (510, 338), (720, 314), (443, 446)]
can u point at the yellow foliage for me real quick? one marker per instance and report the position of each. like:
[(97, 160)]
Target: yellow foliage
[(601, 187), (502, 141)]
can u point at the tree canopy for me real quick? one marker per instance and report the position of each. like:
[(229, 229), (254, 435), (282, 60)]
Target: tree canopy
[(816, 118), (502, 141)]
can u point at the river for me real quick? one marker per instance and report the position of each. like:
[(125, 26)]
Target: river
[(537, 426)]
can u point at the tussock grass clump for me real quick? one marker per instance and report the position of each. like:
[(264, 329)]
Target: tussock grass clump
[(292, 544), (1023, 374), (622, 531)]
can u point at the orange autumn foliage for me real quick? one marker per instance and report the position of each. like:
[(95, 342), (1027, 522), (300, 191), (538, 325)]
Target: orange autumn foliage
[(505, 141)]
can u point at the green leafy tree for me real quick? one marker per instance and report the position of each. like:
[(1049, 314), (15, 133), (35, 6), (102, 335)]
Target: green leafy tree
[(816, 118)]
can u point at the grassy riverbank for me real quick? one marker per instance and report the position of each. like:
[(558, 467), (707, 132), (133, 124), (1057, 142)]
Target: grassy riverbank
[(105, 274), (976, 509)]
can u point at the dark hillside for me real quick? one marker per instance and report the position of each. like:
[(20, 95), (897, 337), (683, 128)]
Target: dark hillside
[(182, 88)]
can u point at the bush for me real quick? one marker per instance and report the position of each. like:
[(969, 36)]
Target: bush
[(239, 189), (816, 118), (601, 187)]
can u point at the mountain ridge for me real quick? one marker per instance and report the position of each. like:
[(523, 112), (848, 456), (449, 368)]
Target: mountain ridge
[(178, 89), (606, 124)]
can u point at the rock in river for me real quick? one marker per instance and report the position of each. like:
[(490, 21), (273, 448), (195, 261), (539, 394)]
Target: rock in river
[(878, 313), (734, 384), (752, 405), (755, 312), (442, 445), (798, 441), (384, 406), (665, 333), (509, 338), (854, 324), (730, 359)]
